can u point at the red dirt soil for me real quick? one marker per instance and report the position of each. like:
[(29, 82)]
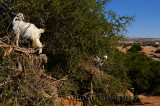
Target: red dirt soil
[(148, 101), (70, 101), (144, 101)]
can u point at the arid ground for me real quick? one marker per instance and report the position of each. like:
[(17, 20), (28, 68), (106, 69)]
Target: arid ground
[(148, 50)]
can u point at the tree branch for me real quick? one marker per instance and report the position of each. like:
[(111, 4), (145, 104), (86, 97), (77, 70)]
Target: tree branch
[(22, 50)]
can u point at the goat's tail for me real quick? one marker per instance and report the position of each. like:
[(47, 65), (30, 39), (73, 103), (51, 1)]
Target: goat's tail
[(41, 30)]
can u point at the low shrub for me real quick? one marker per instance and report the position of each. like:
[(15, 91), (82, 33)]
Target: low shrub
[(157, 51)]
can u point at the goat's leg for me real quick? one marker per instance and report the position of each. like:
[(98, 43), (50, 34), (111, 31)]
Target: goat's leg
[(17, 36), (40, 46), (40, 51), (17, 39), (36, 43)]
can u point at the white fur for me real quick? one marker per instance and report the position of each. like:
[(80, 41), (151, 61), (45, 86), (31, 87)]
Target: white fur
[(105, 56), (28, 31), (100, 61)]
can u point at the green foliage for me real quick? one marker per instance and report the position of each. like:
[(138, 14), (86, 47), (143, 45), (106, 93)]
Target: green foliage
[(125, 45), (157, 51), (156, 45), (135, 48), (76, 31), (143, 73)]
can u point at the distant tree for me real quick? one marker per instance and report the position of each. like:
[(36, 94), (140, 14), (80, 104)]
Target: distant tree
[(138, 71), (156, 45), (135, 48), (143, 73), (157, 51), (124, 45), (155, 81)]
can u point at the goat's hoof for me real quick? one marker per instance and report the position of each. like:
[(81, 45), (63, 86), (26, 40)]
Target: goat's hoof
[(40, 51)]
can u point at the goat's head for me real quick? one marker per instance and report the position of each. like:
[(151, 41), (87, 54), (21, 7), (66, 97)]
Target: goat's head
[(19, 17)]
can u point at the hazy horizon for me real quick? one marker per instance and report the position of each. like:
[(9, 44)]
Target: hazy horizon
[(141, 37)]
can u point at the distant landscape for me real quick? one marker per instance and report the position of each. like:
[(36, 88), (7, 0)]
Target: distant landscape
[(149, 46), (143, 41)]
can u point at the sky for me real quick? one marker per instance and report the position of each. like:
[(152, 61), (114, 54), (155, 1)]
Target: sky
[(147, 16)]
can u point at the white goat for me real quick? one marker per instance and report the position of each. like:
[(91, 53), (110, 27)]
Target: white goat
[(27, 30), (100, 61)]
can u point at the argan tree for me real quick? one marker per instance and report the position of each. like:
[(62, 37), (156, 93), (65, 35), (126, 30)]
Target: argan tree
[(143, 73), (75, 32)]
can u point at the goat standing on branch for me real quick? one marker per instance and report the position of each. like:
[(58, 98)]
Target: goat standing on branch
[(27, 30)]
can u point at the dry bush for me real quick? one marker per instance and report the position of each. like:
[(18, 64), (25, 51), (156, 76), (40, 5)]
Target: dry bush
[(23, 78)]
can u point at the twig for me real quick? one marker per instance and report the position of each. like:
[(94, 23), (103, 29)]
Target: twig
[(9, 68), (5, 83), (63, 79)]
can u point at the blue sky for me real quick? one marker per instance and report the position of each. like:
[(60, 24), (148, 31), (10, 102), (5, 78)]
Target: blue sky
[(147, 12)]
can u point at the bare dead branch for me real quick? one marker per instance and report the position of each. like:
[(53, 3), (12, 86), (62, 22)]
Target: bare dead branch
[(22, 50)]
